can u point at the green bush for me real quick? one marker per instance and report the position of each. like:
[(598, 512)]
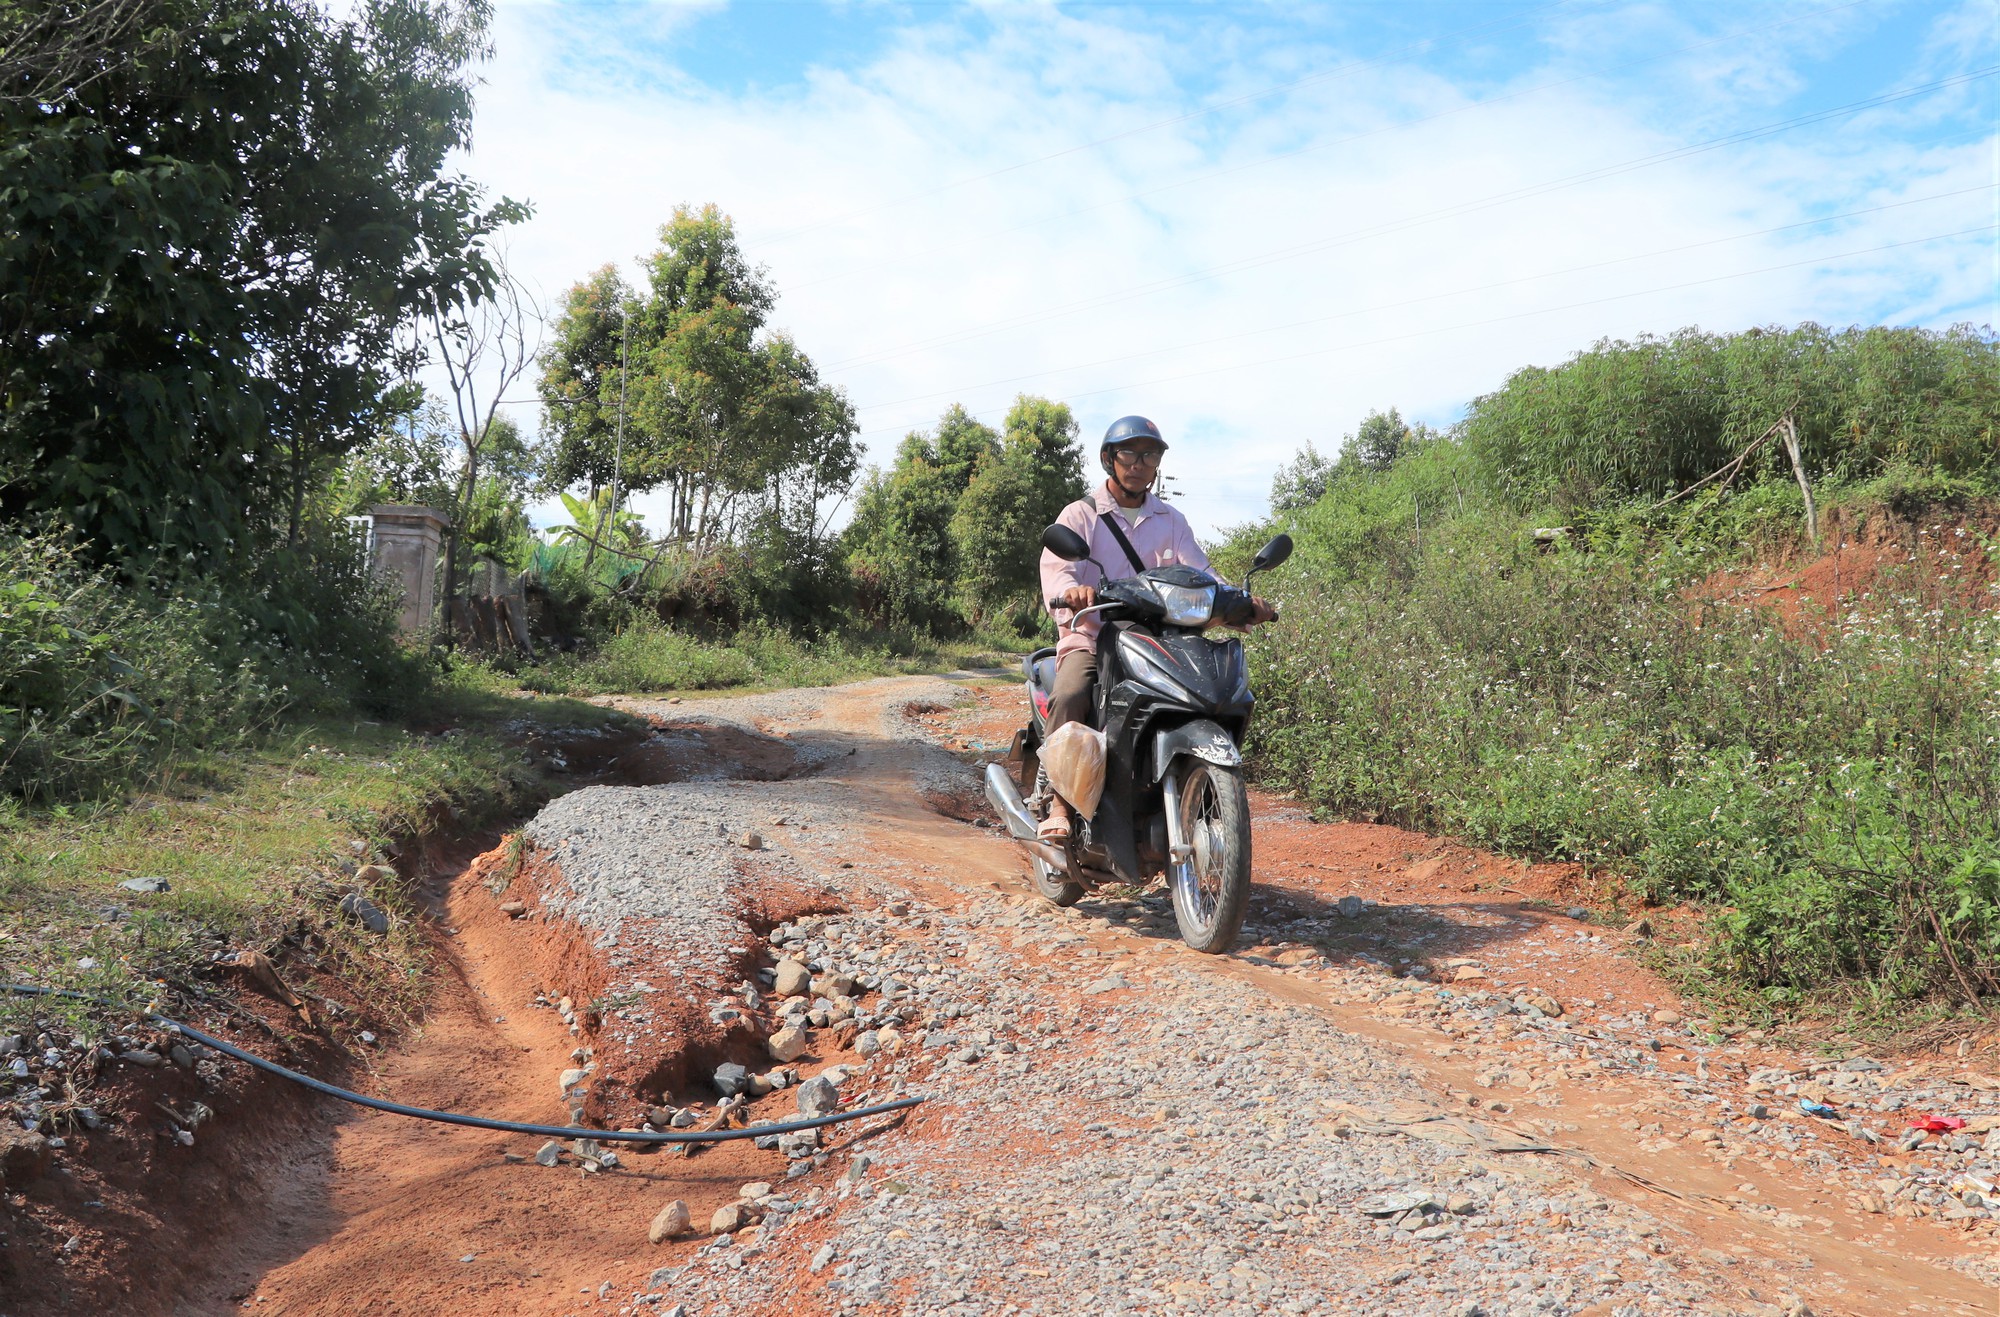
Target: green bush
[(647, 656), (1645, 419), (1836, 790), (96, 683), (104, 680)]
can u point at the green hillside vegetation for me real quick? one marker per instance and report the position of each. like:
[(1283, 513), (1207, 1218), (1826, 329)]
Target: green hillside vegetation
[(1830, 787)]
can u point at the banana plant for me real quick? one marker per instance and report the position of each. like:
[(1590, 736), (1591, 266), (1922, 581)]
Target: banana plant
[(593, 520)]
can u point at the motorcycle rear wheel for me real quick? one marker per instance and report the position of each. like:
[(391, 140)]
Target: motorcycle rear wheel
[(1055, 885), (1212, 887)]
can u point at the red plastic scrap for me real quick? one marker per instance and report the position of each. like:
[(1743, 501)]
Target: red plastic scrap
[(1937, 1124)]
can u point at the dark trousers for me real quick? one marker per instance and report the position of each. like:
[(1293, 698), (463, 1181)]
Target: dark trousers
[(1076, 676)]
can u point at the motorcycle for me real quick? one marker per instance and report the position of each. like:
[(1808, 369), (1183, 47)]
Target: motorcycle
[(1173, 705)]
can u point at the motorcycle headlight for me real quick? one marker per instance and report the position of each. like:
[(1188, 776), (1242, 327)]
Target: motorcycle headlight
[(1186, 605)]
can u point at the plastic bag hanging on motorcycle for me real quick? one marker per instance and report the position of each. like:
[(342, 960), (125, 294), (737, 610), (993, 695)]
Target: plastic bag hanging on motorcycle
[(1074, 758)]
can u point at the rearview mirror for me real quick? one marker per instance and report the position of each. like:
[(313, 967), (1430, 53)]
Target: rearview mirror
[(1272, 554), (1066, 544)]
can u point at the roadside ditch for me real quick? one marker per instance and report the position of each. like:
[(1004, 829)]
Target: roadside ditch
[(144, 1173)]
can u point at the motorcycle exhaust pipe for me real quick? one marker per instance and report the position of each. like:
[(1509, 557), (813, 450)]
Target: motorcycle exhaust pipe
[(1006, 802)]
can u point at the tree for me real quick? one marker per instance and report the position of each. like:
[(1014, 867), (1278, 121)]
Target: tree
[(899, 546), (727, 416), (486, 338), (1382, 438), (1043, 434), (1018, 490), (582, 370), (509, 459), (951, 531), (961, 445), (726, 411), (49, 51), (207, 249), (1301, 482), (408, 460)]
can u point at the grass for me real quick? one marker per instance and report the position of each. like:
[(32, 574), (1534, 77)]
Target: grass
[(259, 838), (1828, 790), (258, 843), (648, 657)]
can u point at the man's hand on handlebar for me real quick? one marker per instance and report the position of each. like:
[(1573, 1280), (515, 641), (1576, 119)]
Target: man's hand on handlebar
[(1240, 612), (1078, 597)]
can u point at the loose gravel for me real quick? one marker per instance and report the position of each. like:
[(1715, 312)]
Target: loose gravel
[(1126, 1130), (1161, 1145)]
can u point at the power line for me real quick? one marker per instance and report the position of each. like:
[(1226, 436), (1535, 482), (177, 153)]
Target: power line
[(1429, 217), (1493, 320), (1433, 297), (1490, 27), (1317, 146)]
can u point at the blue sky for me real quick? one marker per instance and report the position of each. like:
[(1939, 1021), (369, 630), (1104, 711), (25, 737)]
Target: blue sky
[(1257, 222)]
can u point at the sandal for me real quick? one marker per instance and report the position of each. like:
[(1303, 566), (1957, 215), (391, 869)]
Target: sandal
[(1054, 828)]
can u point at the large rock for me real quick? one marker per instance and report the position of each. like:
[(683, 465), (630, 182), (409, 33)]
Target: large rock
[(793, 979), (731, 1079), (24, 1154), (673, 1221), (789, 1043), (365, 912), (818, 1097)]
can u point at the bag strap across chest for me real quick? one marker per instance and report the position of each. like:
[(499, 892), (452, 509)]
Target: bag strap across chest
[(1110, 520)]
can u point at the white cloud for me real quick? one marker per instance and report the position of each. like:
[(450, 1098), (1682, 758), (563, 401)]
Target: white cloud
[(852, 184)]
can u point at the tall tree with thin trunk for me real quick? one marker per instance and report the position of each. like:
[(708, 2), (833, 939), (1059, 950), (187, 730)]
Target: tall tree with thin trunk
[(485, 341)]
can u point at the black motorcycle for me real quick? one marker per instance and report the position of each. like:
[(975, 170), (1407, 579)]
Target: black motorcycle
[(1173, 705)]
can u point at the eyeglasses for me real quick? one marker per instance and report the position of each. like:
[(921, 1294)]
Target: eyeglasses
[(1139, 456)]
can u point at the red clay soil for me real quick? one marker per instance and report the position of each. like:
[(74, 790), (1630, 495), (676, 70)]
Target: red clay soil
[(1873, 558), (501, 1236), (664, 1061), (123, 1219), (280, 1208), (1308, 865)]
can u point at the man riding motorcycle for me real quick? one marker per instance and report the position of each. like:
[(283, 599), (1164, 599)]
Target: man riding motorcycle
[(1126, 525)]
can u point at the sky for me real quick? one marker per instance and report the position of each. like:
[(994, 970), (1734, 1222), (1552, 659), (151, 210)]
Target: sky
[(1257, 222)]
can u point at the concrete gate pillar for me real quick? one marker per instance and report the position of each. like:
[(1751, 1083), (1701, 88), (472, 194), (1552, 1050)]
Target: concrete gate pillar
[(403, 543)]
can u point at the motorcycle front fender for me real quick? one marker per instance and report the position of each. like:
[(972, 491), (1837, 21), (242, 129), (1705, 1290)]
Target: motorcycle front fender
[(1199, 737)]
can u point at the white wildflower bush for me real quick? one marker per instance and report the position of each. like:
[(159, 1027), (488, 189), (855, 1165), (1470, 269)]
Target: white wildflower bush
[(1829, 784)]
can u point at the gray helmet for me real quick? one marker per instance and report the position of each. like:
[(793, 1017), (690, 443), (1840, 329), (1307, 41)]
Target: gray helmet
[(1124, 430)]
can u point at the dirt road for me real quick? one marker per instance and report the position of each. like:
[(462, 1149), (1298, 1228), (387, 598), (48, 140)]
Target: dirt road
[(1447, 1097)]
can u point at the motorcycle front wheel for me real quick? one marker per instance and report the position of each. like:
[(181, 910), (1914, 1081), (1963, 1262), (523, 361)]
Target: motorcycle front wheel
[(1212, 886)]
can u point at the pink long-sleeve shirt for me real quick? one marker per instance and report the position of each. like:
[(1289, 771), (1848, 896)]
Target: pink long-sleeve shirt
[(1161, 537)]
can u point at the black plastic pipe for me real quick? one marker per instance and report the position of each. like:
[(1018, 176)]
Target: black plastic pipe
[(477, 1122)]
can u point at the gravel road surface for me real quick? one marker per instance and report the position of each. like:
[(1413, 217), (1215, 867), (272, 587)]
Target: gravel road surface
[(1407, 1093)]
